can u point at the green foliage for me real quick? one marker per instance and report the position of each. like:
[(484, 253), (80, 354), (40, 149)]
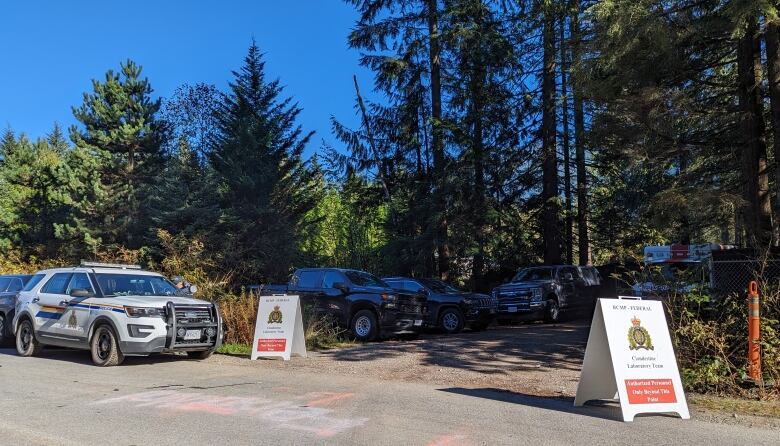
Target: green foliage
[(264, 189), (122, 138)]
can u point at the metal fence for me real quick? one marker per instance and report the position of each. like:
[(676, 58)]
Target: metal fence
[(733, 276)]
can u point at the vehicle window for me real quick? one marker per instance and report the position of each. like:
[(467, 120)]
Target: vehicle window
[(134, 285), (437, 286), (332, 277), (79, 281), (530, 274), (360, 278), (4, 281), (15, 286), (395, 284), (35, 280), (568, 270), (57, 284), (308, 279)]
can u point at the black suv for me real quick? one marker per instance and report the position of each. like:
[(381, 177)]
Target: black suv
[(545, 292), (9, 289), (357, 300), (449, 308)]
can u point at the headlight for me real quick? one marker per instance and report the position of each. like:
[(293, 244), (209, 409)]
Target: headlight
[(143, 312), (494, 294), (468, 301), (536, 294), (389, 300)]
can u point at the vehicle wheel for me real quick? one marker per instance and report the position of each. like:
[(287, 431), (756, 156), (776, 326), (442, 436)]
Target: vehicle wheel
[(205, 354), (3, 330), (479, 327), (105, 348), (552, 313), (364, 326), (26, 344), (451, 321)]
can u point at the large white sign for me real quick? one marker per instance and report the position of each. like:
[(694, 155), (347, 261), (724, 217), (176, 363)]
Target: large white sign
[(630, 355), (279, 328)]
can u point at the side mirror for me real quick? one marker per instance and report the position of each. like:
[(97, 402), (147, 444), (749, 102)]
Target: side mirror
[(81, 292), (341, 286), (193, 289), (568, 276), (422, 292)]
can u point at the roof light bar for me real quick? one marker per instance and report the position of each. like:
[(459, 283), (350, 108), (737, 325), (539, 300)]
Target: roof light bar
[(108, 265)]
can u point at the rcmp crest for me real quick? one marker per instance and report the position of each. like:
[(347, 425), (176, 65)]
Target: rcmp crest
[(73, 322), (275, 317), (638, 337)]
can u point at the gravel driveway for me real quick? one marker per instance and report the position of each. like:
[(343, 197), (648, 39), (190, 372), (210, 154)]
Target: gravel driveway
[(532, 359)]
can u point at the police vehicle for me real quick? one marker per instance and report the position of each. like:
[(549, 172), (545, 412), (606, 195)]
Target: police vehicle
[(113, 311)]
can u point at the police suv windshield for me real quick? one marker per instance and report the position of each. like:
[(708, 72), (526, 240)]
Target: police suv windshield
[(134, 285)]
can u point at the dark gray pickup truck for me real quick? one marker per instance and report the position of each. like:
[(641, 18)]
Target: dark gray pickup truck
[(356, 300), (545, 292)]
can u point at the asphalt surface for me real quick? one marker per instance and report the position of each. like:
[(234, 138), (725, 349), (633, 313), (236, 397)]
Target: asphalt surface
[(61, 399)]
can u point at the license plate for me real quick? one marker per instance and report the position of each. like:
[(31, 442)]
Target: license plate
[(191, 334), (418, 323), (512, 309)]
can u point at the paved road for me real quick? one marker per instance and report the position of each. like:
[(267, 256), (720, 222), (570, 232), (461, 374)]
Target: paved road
[(61, 399)]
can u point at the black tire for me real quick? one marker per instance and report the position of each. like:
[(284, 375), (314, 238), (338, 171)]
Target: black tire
[(552, 312), (26, 344), (205, 354), (364, 326), (451, 320), (105, 348), (4, 335)]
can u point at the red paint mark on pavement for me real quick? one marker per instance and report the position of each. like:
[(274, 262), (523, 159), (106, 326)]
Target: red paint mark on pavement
[(325, 399), (450, 440)]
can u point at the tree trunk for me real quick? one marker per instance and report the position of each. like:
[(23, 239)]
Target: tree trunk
[(758, 212), (773, 69), (477, 86), (579, 145), (566, 149), (438, 141), (550, 201)]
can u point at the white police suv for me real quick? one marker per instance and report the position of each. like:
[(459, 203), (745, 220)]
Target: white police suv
[(114, 311)]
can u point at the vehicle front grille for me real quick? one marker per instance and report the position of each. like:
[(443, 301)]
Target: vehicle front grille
[(193, 315), (483, 302), (408, 304), (518, 299)]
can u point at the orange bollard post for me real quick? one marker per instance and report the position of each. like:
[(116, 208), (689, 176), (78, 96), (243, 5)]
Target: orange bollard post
[(754, 333)]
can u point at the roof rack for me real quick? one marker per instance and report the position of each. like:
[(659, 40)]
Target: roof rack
[(84, 263)]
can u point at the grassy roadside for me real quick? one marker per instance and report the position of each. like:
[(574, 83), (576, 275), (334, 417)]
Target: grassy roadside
[(726, 405), (245, 350)]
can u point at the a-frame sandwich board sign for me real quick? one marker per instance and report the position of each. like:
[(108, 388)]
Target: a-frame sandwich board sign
[(630, 356)]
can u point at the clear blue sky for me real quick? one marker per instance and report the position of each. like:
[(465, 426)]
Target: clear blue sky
[(51, 50)]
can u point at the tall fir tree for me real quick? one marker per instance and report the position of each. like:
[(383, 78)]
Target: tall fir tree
[(121, 131), (264, 188)]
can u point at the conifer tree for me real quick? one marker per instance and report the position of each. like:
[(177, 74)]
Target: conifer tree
[(264, 189), (120, 130)]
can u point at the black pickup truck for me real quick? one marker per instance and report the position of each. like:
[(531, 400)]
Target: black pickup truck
[(364, 304)]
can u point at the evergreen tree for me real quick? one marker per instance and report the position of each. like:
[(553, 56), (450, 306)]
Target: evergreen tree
[(120, 130), (264, 189)]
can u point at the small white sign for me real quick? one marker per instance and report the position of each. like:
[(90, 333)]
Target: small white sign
[(630, 355), (279, 328)]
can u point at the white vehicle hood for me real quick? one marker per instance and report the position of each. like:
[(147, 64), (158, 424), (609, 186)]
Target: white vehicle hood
[(148, 301)]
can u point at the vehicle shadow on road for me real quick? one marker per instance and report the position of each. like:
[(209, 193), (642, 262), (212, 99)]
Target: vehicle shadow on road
[(83, 356), (497, 351), (604, 409)]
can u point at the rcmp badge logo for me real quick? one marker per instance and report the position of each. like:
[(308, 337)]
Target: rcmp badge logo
[(638, 337), (73, 321), (275, 317)]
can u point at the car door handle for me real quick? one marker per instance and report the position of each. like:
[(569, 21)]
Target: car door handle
[(36, 300), (64, 303)]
